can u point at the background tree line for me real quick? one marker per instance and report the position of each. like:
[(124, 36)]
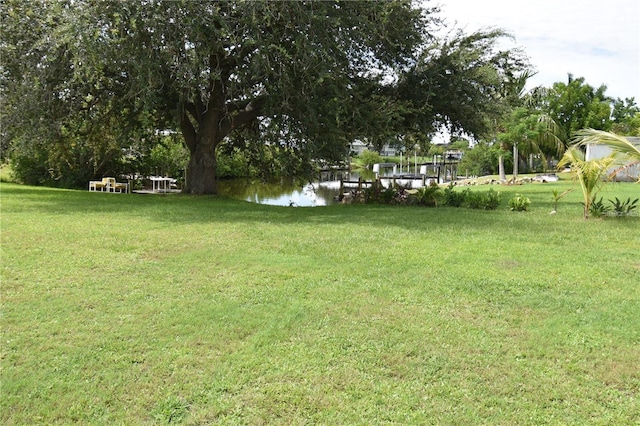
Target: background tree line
[(542, 124), (268, 88)]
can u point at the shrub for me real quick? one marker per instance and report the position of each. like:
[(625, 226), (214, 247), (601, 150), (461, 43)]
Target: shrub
[(623, 208), (372, 194), (378, 194), (430, 195), (489, 200), (369, 158), (453, 198), (597, 207), (519, 203), (473, 200)]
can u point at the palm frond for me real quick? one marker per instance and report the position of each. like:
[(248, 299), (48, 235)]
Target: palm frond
[(589, 173), (551, 132), (618, 144)]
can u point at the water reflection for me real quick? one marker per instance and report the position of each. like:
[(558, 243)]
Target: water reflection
[(291, 192), (282, 193)]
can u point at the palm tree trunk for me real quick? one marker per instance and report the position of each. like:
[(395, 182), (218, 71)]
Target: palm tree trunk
[(515, 161), (503, 174)]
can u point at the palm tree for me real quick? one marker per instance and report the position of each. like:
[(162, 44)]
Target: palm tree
[(525, 124), (531, 133), (626, 153), (549, 140), (514, 94), (590, 173)]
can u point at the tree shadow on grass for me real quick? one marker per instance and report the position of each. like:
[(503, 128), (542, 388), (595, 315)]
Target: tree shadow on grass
[(182, 209)]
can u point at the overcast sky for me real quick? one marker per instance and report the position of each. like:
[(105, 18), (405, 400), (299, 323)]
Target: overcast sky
[(595, 39)]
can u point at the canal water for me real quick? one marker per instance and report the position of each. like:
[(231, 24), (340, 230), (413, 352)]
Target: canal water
[(282, 193), (293, 192), (322, 191)]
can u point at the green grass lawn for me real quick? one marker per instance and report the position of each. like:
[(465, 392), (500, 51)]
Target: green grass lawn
[(141, 309)]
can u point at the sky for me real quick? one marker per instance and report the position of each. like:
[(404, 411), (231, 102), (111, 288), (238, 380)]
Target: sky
[(595, 39)]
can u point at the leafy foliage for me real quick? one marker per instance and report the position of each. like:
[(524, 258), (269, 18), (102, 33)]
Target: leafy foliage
[(453, 198), (625, 154), (625, 117), (576, 105), (590, 173), (460, 83), (597, 207), (282, 73), (169, 157), (429, 195), (368, 158), (378, 194), (482, 200), (481, 160), (519, 203), (232, 164), (487, 200), (624, 208), (533, 132)]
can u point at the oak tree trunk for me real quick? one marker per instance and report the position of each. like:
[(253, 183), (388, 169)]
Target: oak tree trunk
[(201, 170), (204, 126)]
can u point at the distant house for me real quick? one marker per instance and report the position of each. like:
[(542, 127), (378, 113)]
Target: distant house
[(596, 151), (357, 147), (388, 151)]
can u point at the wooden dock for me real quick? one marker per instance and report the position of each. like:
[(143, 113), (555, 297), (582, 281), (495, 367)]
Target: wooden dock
[(360, 183)]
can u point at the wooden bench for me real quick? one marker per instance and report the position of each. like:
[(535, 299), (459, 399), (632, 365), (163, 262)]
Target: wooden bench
[(108, 184)]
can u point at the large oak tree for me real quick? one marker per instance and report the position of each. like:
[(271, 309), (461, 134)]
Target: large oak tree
[(81, 79), (215, 68)]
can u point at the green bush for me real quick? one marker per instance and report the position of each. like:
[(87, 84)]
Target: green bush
[(598, 207), (378, 194), (453, 198), (489, 200), (519, 203), (169, 157), (231, 165), (429, 196), (493, 199), (369, 158), (623, 208)]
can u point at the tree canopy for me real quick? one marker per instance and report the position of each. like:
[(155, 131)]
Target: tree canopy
[(462, 82), (576, 105), (83, 79)]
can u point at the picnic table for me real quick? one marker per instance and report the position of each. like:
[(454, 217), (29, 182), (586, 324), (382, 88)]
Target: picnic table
[(161, 184)]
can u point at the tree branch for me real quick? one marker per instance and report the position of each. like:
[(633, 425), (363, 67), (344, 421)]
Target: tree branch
[(188, 131), (252, 110)]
